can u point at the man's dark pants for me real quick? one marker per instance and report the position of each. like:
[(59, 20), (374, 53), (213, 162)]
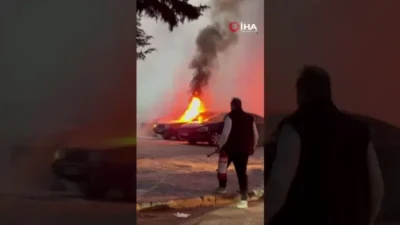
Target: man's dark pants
[(239, 161)]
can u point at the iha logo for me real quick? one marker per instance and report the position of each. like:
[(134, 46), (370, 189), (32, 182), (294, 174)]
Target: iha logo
[(243, 27)]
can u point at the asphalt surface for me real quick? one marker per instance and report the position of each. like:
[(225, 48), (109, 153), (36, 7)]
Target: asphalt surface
[(50, 210), (174, 169), (157, 148), (169, 217), (47, 208)]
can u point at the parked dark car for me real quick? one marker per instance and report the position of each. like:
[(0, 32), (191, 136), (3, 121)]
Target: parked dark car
[(96, 171), (169, 130), (210, 130)]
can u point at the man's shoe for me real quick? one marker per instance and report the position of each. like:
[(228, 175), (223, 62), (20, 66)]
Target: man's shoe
[(220, 191), (242, 204)]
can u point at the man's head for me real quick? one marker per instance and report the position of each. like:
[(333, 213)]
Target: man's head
[(236, 103), (313, 85)]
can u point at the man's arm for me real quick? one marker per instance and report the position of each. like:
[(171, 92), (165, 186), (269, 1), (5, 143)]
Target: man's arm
[(225, 132), (255, 134), (376, 183), (283, 169)]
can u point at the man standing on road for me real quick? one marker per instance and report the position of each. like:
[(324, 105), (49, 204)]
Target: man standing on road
[(238, 141), (325, 170)]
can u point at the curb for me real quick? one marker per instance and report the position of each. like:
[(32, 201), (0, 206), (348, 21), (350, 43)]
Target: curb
[(205, 218), (206, 200)]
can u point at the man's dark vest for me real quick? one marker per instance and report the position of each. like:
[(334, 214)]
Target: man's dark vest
[(241, 137), (270, 151), (331, 185)]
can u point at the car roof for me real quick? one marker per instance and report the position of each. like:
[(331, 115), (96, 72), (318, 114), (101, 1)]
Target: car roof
[(253, 114), (257, 117)]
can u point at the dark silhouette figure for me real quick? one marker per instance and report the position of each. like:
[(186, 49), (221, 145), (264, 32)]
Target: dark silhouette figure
[(238, 141), (325, 170)]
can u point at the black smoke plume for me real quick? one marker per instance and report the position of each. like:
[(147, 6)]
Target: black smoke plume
[(211, 40)]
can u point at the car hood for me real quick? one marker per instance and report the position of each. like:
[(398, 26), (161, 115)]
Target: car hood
[(197, 124), (171, 123)]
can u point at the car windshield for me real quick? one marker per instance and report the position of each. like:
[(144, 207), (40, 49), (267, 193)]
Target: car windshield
[(220, 117), (216, 118), (198, 118), (203, 115)]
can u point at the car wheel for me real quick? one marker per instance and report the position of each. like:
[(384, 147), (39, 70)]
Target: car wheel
[(165, 137), (174, 137), (192, 142), (214, 139), (177, 138)]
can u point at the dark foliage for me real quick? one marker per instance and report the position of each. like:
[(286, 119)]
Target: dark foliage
[(171, 12), (142, 41)]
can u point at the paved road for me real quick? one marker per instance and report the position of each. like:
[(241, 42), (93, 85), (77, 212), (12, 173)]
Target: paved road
[(168, 216), (50, 210), (165, 168), (231, 215), (198, 216), (157, 158), (158, 148), (174, 169)]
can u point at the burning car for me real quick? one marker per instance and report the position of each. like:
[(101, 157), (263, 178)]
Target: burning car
[(170, 129), (96, 171), (194, 113), (211, 128)]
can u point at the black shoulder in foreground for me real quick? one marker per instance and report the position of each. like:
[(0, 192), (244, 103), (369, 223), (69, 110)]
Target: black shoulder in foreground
[(280, 125), (353, 122)]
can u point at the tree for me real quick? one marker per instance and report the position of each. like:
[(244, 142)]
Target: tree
[(171, 12), (142, 41)]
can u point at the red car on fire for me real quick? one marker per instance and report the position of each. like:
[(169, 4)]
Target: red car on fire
[(210, 130), (170, 129)]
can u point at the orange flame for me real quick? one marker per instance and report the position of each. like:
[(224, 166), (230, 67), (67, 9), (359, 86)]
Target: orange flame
[(196, 106)]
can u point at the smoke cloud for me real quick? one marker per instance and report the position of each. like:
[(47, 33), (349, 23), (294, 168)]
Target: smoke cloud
[(211, 40), (163, 90)]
